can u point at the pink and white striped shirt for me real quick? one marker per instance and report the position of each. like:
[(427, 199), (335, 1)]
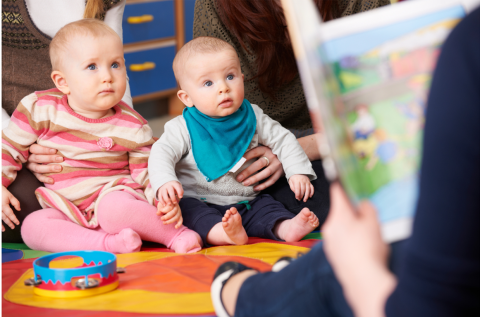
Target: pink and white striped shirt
[(100, 155)]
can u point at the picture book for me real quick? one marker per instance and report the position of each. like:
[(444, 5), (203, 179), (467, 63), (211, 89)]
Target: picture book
[(366, 79)]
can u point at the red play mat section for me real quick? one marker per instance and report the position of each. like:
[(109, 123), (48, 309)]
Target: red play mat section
[(153, 271)]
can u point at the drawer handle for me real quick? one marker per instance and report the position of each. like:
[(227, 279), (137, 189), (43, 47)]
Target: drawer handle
[(142, 67), (141, 19)]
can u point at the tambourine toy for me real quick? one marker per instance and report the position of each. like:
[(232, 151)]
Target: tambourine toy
[(97, 275)]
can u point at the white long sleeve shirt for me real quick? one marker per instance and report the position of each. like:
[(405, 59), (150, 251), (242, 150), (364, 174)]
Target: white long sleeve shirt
[(171, 159)]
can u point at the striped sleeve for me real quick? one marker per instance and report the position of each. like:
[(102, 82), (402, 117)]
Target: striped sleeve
[(21, 132)]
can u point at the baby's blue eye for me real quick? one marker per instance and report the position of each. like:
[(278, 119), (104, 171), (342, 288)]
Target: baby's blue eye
[(208, 83), (92, 67), (115, 65), (230, 77)]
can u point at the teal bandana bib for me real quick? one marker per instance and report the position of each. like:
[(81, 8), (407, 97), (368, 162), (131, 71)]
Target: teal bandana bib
[(219, 143)]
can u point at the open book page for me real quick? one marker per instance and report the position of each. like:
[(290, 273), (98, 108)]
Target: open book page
[(366, 79)]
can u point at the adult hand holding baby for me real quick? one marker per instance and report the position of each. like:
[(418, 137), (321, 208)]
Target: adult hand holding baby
[(272, 169), (168, 203), (38, 162), (7, 213)]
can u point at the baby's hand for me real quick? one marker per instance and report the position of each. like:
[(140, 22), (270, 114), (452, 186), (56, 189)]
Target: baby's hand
[(301, 186), (169, 192), (171, 213), (7, 213)]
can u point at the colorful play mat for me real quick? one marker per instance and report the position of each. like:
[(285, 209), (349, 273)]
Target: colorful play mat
[(157, 281)]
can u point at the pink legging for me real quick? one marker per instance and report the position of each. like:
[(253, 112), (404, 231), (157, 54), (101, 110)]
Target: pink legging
[(123, 222)]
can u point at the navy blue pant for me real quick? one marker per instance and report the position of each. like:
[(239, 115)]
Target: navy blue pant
[(258, 221), (307, 287)]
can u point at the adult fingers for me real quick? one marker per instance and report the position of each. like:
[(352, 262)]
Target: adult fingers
[(256, 152), (44, 179), (44, 168), (3, 228), (367, 210), (246, 176), (312, 190), (43, 159), (341, 210), (38, 149), (270, 181)]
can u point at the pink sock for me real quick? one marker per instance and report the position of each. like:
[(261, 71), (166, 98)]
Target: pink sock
[(119, 210), (50, 230)]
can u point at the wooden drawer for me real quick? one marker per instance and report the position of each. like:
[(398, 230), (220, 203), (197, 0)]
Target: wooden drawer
[(151, 79), (148, 21)]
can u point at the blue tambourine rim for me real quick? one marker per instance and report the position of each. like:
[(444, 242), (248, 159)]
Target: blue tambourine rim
[(108, 266)]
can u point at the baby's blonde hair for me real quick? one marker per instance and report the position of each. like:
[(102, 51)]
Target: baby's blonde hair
[(85, 27), (199, 45)]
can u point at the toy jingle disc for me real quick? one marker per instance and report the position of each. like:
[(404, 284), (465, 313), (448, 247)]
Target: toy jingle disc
[(97, 275)]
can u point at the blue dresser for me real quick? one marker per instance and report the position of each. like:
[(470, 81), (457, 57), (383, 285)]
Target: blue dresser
[(153, 31)]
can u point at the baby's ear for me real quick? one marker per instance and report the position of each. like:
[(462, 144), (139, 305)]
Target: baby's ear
[(60, 82), (183, 96)]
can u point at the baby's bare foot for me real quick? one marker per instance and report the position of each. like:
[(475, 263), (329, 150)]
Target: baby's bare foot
[(294, 229), (232, 224), (187, 242)]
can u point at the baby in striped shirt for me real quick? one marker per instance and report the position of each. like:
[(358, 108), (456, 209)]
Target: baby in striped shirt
[(102, 198)]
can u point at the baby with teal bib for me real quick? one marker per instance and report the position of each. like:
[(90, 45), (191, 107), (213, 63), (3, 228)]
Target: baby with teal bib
[(199, 155)]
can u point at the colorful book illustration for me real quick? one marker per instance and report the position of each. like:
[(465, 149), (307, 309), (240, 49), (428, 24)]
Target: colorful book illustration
[(366, 79)]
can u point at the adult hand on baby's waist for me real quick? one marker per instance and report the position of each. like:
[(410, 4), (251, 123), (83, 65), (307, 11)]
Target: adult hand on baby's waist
[(38, 161), (266, 160)]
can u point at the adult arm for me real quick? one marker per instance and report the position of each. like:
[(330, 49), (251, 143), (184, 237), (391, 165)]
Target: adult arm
[(354, 248)]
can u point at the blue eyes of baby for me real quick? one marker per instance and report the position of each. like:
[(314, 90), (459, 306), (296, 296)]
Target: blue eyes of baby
[(93, 66), (209, 83)]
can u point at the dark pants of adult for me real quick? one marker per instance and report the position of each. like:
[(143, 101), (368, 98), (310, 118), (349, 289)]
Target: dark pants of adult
[(319, 204), (259, 216), (23, 188), (307, 287)]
